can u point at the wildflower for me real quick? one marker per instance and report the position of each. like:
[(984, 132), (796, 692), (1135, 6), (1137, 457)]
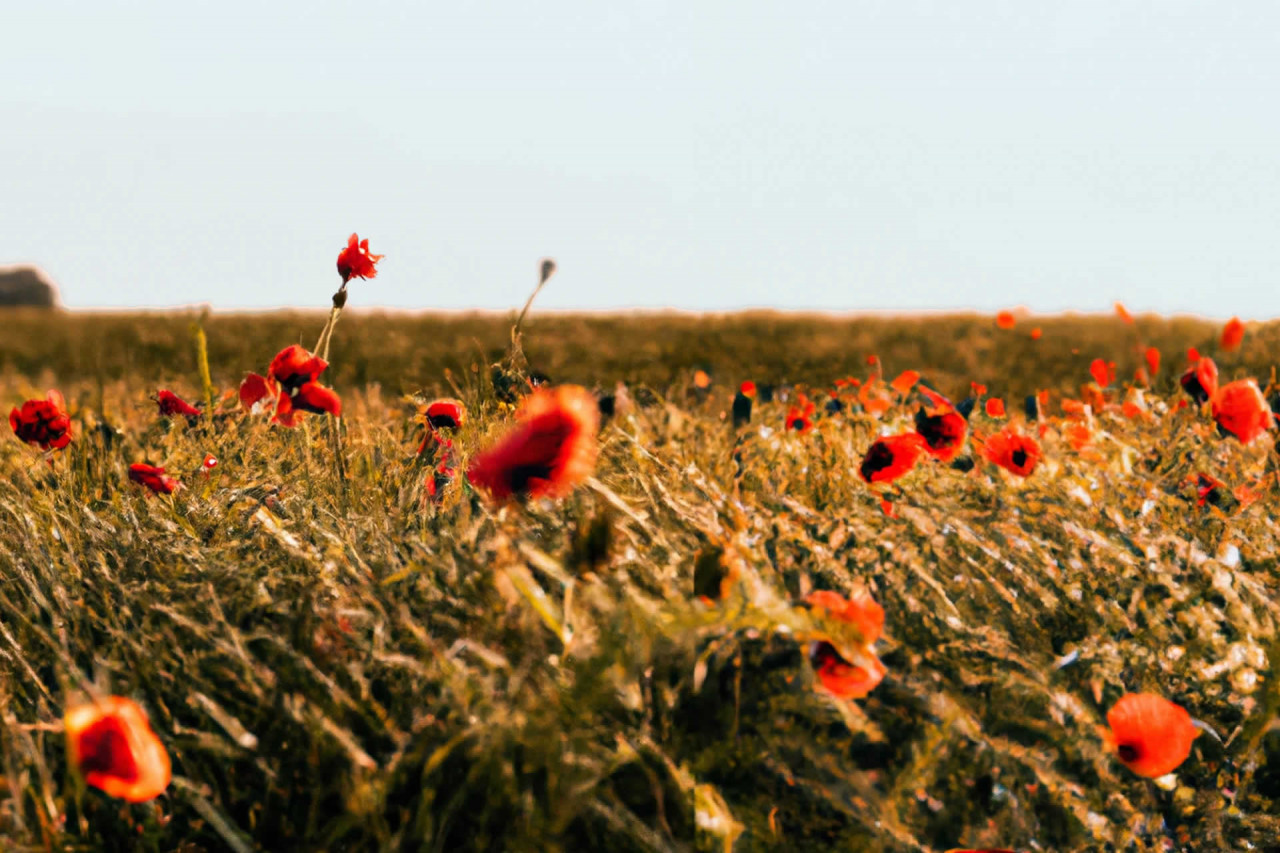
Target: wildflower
[(171, 404), (111, 744), (42, 422), (1240, 409), (355, 261), (800, 415), (1152, 355), (1103, 372), (742, 403), (210, 462), (1150, 735), (294, 366), (1012, 451), (1201, 380), (446, 413), (841, 678), (890, 457), (153, 478), (257, 394), (995, 407), (1232, 335), (1005, 320), (943, 433), (315, 398), (978, 388), (550, 451), (701, 379), (1123, 313), (1036, 333), (905, 381), (438, 479), (861, 611)]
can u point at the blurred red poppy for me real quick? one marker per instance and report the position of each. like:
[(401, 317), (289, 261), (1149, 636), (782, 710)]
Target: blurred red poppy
[(1012, 451), (551, 449), (861, 611), (258, 394), (153, 478), (800, 415), (446, 413), (1036, 333), (1103, 372), (995, 407), (890, 457), (1150, 735), (171, 404), (943, 433), (210, 462), (42, 422), (1152, 356), (1006, 320), (355, 261), (748, 389), (1240, 409), (294, 366), (112, 746), (1232, 335), (1123, 313), (839, 677), (1201, 380), (905, 381), (316, 399)]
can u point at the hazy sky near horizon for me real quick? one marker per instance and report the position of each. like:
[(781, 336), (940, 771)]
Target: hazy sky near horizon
[(831, 155)]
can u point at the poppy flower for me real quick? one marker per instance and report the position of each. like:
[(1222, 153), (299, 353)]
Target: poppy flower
[(1232, 335), (1037, 333), (890, 457), (978, 388), (1012, 451), (995, 407), (171, 404), (446, 413), (701, 379), (905, 381), (1240, 409), (943, 433), (861, 611), (316, 399), (355, 261), (42, 422), (210, 462), (258, 394), (551, 449), (1123, 313), (1152, 355), (1005, 320), (839, 677), (438, 479), (1150, 735), (1201, 380), (1193, 355), (294, 366), (800, 415), (1102, 371), (111, 745), (742, 402), (153, 478)]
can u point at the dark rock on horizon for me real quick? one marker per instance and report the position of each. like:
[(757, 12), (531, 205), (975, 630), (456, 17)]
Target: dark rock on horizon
[(27, 286)]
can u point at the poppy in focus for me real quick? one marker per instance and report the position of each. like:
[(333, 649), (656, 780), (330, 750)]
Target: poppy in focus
[(153, 478), (839, 677), (943, 432), (355, 261), (1201, 380), (1232, 335), (294, 366), (1012, 451), (257, 394), (171, 404), (890, 457), (42, 422), (111, 744), (551, 449), (1150, 735), (1240, 409), (316, 399)]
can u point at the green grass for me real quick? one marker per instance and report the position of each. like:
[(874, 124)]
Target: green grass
[(336, 664)]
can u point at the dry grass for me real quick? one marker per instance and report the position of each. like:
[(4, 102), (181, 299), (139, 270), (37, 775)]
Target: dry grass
[(335, 664)]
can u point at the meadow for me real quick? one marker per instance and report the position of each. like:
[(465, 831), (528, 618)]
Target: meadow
[(337, 659)]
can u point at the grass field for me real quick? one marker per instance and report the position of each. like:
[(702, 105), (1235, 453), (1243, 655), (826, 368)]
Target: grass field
[(336, 662)]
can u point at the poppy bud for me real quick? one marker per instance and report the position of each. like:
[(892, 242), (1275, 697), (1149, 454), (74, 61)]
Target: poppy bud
[(340, 298)]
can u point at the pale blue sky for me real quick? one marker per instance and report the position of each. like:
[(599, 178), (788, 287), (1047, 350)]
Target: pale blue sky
[(835, 155)]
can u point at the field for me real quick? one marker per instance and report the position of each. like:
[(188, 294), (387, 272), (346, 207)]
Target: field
[(335, 660)]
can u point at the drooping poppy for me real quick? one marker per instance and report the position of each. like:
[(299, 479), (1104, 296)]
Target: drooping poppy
[(294, 366), (1240, 409), (316, 399), (1005, 320), (258, 394), (1152, 356), (943, 433), (1232, 335), (839, 677), (171, 404), (111, 744), (861, 611), (153, 478), (551, 449), (42, 422), (355, 261), (1201, 380), (890, 457), (1012, 451), (1150, 735)]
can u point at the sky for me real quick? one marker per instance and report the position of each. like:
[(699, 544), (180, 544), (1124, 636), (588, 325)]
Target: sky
[(848, 155)]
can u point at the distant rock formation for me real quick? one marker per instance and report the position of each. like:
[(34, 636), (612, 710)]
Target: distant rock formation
[(26, 285)]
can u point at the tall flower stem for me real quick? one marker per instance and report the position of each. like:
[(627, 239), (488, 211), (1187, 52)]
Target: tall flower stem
[(322, 344)]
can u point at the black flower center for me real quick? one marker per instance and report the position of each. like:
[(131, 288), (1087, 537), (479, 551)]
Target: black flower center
[(877, 459), (1019, 457)]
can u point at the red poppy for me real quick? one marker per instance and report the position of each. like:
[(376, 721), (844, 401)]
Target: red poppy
[(355, 261), (437, 480), (1012, 451), (1123, 313), (548, 453), (1241, 410), (446, 413), (800, 415), (943, 433), (258, 394), (111, 744), (748, 389), (1036, 333), (294, 366), (210, 462), (861, 611), (153, 478), (839, 677), (1193, 355), (311, 397), (1150, 735), (1153, 360), (701, 379), (171, 404), (995, 407), (1201, 380), (905, 381), (1005, 320), (43, 422), (978, 388), (1103, 372), (892, 456), (1232, 334)]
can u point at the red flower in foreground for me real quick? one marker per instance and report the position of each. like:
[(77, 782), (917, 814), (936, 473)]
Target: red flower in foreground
[(43, 422), (153, 478), (1232, 334), (943, 433), (311, 397), (861, 611), (551, 449), (843, 679), (1241, 410), (1150, 734), (111, 744), (1201, 380), (294, 366), (257, 394), (889, 457), (355, 261), (1012, 451), (171, 404)]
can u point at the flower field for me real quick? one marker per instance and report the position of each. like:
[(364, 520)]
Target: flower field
[(648, 582)]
